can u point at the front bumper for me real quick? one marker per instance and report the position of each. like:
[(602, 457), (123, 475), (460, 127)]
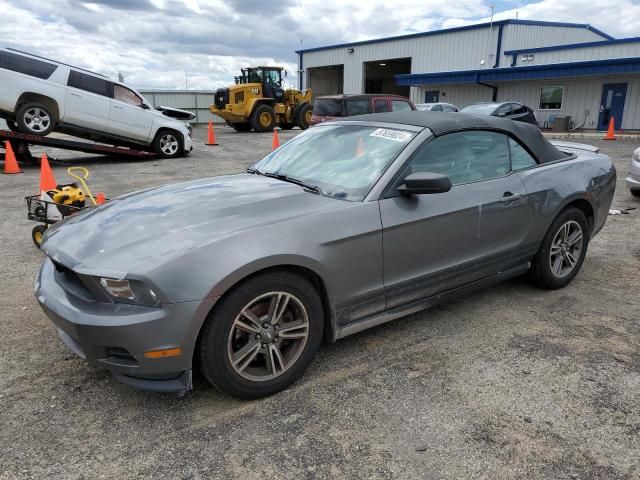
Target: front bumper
[(633, 179), (115, 336)]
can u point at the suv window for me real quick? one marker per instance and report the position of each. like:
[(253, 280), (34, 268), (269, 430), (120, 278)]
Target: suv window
[(449, 108), (464, 157), (380, 105), (357, 107), (520, 158), (330, 107), (400, 106), (26, 65), (123, 94), (89, 83), (436, 108)]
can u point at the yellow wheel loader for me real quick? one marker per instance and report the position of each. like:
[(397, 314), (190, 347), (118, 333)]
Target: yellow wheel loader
[(257, 101)]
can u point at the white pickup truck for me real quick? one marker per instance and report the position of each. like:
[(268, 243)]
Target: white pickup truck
[(39, 96)]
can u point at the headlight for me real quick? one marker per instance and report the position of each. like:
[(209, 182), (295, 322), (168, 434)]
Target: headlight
[(130, 291), (636, 155)]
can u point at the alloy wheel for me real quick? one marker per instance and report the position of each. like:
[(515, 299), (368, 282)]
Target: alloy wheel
[(268, 336), (37, 120), (169, 144), (566, 249)]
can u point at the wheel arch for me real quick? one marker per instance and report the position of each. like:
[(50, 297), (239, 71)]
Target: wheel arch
[(582, 204), (28, 97), (303, 267)]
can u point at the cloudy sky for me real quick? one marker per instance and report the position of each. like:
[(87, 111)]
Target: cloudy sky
[(203, 43)]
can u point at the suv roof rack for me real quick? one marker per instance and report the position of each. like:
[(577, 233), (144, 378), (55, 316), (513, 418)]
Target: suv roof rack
[(56, 61)]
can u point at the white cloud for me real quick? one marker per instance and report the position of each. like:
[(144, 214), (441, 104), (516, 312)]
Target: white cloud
[(154, 42)]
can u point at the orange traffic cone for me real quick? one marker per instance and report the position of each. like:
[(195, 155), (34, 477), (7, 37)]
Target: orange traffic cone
[(211, 135), (610, 135), (360, 149), (10, 162), (275, 143), (47, 180)]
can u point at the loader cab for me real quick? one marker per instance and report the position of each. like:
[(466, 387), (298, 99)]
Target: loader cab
[(269, 77)]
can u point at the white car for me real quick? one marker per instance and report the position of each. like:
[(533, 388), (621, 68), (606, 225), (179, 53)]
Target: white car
[(436, 107), (633, 178), (39, 96)]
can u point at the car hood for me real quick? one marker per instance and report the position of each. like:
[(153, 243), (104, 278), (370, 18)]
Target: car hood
[(138, 231)]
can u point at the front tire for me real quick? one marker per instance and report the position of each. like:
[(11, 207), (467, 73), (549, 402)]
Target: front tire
[(168, 144), (35, 119), (262, 336), (303, 117), (263, 118), (563, 250)]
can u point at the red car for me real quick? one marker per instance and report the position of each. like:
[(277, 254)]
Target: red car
[(337, 106)]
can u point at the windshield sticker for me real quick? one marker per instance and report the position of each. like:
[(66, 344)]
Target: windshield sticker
[(395, 135)]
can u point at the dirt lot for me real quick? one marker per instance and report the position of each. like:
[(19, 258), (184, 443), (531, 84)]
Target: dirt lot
[(513, 382)]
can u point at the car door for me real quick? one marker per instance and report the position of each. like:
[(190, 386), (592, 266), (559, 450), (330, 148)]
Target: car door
[(129, 116), (88, 101), (437, 242)]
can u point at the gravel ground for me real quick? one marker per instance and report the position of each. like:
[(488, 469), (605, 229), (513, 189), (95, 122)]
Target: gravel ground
[(512, 382)]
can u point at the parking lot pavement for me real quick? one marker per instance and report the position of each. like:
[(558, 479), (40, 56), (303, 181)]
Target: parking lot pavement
[(512, 382)]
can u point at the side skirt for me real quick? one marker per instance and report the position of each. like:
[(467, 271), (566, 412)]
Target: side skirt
[(424, 303)]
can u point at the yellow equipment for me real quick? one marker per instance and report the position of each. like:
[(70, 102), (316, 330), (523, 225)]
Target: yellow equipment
[(68, 194), (257, 101)]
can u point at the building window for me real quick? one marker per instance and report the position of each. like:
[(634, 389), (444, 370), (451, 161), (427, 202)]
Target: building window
[(551, 98)]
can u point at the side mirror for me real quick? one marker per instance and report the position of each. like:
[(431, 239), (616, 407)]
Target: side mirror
[(424, 182), (145, 106), (502, 114)]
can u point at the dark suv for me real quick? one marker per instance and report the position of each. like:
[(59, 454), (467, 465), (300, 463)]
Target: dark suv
[(337, 106)]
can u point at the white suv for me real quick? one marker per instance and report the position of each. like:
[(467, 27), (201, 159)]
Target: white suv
[(38, 96)]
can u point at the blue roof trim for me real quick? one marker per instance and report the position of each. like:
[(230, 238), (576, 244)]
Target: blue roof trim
[(532, 72), (574, 45), (460, 29)]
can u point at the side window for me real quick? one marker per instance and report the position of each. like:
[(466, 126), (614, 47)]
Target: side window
[(89, 83), (357, 107), (504, 110), (464, 157), (436, 108), (449, 108), (517, 108), (520, 158), (400, 106), (380, 105), (123, 94), (26, 65)]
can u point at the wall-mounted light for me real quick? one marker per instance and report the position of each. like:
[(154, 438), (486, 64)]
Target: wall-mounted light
[(350, 50)]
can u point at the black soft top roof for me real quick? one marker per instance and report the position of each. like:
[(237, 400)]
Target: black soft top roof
[(441, 123)]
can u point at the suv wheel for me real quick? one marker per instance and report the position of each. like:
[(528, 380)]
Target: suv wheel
[(263, 118), (262, 336), (562, 251), (36, 119), (168, 144)]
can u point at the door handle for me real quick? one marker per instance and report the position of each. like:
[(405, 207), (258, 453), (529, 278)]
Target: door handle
[(75, 95), (510, 197), (117, 107)]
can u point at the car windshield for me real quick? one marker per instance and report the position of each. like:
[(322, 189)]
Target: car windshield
[(486, 109), (330, 107), (341, 161)]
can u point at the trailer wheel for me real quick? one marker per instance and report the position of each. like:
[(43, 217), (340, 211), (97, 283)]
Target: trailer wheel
[(37, 233), (168, 144), (36, 119), (303, 117)]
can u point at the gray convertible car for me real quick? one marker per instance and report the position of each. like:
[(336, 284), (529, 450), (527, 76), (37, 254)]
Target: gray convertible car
[(350, 224)]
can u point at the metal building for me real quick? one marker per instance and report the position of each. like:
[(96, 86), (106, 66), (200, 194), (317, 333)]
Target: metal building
[(558, 69)]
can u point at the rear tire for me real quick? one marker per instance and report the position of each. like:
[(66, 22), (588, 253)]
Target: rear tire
[(238, 342), (562, 251), (35, 119), (168, 144), (303, 117), (287, 126), (635, 193), (263, 118)]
